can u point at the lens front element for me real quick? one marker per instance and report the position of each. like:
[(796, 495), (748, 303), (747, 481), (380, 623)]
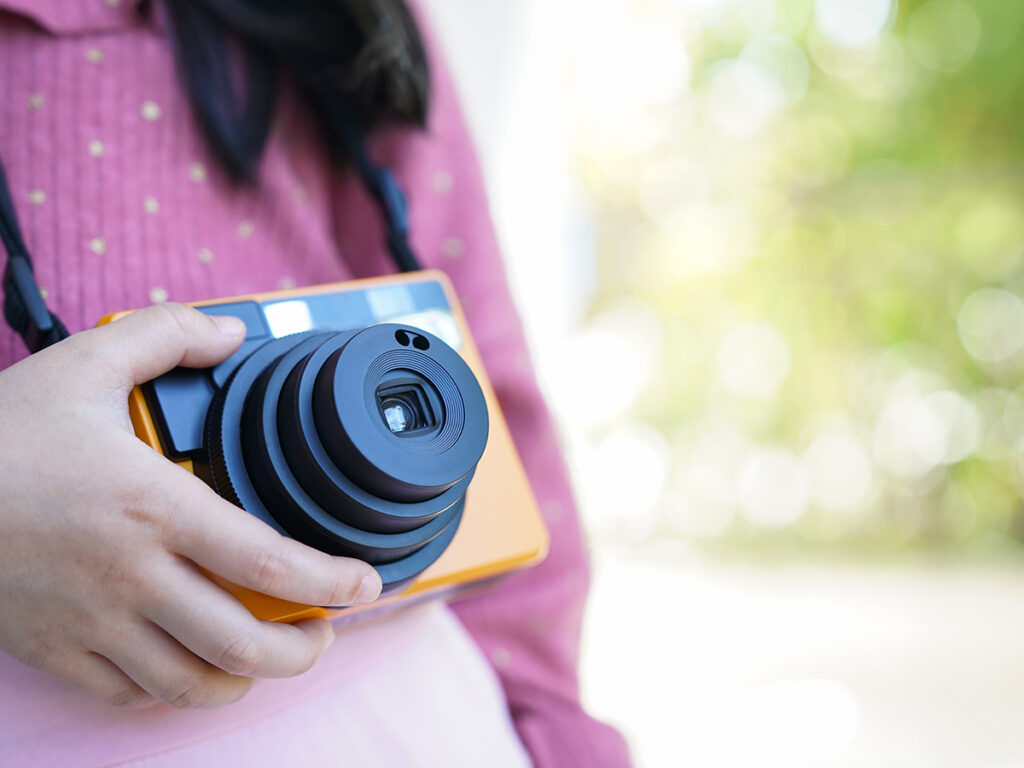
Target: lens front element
[(405, 408), (398, 415)]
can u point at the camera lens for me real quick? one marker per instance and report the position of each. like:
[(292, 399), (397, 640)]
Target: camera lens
[(405, 408), (353, 443), (398, 415)]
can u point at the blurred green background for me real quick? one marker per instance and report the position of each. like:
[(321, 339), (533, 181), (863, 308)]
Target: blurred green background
[(809, 221), (770, 257)]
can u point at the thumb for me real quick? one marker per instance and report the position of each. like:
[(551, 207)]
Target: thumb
[(152, 341)]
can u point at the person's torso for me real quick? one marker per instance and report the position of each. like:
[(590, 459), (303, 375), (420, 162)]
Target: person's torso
[(120, 200)]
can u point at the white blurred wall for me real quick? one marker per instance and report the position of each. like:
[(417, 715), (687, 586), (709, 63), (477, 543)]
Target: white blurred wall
[(506, 63)]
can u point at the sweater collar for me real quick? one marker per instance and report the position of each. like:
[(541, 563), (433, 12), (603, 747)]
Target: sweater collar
[(74, 17)]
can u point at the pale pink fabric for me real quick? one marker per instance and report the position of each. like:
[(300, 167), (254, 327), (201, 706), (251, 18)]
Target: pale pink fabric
[(409, 691), (122, 205)]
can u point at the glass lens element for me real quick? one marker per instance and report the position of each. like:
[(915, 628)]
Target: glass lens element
[(397, 414)]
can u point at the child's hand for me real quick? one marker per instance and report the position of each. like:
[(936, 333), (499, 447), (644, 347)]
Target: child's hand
[(100, 536)]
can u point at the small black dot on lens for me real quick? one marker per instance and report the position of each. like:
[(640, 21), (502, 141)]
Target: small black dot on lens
[(420, 343), (402, 338)]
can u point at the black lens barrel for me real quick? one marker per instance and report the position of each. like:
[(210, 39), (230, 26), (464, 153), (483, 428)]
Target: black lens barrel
[(297, 436)]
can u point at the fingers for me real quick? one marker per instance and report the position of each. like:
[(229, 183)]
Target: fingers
[(152, 341), (167, 671), (217, 628), (232, 543), (99, 677)]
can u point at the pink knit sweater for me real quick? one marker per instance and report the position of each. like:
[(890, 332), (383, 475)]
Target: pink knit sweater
[(122, 205)]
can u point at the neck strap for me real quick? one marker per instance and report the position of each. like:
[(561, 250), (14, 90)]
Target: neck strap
[(25, 308)]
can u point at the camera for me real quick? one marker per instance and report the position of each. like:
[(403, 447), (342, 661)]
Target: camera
[(357, 418)]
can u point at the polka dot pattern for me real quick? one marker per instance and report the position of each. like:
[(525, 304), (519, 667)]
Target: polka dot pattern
[(553, 510), (442, 182), (453, 248), (150, 110), (501, 657)]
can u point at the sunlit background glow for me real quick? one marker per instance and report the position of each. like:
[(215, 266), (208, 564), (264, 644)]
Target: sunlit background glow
[(782, 242)]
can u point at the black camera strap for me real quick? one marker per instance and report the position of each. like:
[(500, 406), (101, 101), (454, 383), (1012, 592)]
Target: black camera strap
[(25, 308)]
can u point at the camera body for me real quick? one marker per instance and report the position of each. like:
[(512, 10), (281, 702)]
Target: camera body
[(356, 417)]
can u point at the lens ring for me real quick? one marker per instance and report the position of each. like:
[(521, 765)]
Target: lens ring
[(288, 501), (235, 481), (435, 375), (357, 439), (331, 487)]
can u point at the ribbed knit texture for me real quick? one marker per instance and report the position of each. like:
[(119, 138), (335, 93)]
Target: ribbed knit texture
[(121, 205)]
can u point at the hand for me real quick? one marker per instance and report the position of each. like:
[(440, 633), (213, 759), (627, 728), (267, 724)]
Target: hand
[(101, 538)]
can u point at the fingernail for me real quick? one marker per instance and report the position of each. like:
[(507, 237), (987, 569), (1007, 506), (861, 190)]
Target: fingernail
[(229, 324), (369, 588)]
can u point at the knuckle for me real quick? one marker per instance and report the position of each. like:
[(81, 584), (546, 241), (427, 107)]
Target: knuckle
[(240, 656), (145, 502), (129, 697), (190, 694), (175, 320), (270, 570), (86, 351), (343, 590)]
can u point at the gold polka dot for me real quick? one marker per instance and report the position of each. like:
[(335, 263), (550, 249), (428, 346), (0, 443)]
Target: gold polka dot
[(245, 229), (150, 110), (37, 197), (44, 293), (94, 55), (112, 3), (205, 255), (98, 245), (96, 148), (552, 510), (158, 295), (453, 247), (443, 182), (197, 172), (285, 284), (501, 657), (301, 195), (35, 100), (150, 205)]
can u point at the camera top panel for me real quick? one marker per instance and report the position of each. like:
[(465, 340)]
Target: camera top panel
[(179, 399), (420, 304)]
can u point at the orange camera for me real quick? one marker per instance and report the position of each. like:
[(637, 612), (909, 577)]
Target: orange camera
[(355, 417)]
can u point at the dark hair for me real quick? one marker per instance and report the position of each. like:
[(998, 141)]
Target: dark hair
[(358, 64)]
